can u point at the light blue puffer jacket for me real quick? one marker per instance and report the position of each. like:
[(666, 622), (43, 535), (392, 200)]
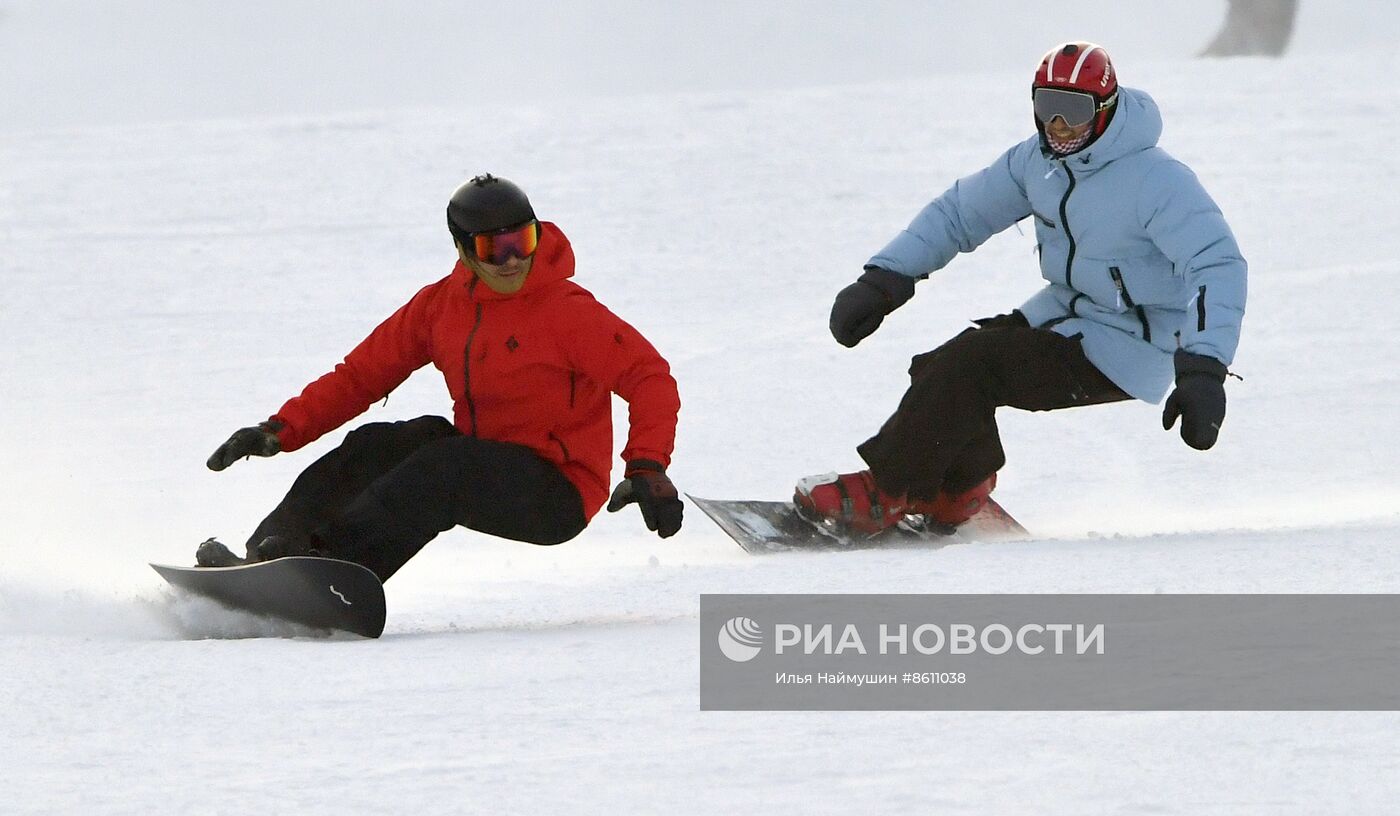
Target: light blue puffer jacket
[(1139, 258)]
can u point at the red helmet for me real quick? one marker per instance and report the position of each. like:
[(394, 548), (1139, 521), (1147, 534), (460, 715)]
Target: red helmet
[(1082, 86)]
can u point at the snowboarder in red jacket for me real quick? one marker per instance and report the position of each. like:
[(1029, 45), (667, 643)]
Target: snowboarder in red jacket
[(531, 360)]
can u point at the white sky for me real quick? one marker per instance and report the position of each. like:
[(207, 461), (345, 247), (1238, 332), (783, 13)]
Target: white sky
[(78, 62)]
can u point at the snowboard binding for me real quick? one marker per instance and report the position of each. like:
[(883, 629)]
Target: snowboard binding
[(854, 504)]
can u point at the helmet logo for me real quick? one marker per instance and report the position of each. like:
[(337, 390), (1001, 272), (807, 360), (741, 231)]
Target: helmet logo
[(1075, 64)]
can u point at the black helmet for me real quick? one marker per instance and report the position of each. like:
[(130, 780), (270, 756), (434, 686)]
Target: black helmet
[(486, 204)]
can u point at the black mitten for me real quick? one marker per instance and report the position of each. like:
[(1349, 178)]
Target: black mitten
[(1013, 320), (861, 307), (259, 440), (1199, 399)]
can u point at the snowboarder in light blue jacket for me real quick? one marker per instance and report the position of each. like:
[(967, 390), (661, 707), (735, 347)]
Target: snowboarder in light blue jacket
[(1145, 281)]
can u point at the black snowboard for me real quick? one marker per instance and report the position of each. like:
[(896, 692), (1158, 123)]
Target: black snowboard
[(770, 527), (323, 593)]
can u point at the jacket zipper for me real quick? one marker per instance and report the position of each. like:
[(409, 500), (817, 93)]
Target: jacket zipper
[(1123, 296), (572, 376), (467, 365), (1064, 222), (1201, 309), (1126, 299)]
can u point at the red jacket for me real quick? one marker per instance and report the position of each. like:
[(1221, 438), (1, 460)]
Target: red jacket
[(544, 363)]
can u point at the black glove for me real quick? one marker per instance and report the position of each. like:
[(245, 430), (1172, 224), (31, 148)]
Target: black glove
[(1004, 321), (277, 546), (259, 440), (861, 307), (1199, 399), (646, 483)]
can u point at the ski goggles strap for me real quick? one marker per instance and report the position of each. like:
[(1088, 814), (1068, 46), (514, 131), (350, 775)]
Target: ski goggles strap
[(1075, 107), (496, 247)]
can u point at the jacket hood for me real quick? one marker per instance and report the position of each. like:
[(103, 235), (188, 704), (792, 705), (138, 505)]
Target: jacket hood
[(554, 261), (1136, 126)]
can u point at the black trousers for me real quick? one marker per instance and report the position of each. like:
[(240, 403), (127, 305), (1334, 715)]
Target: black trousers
[(944, 433), (391, 487)]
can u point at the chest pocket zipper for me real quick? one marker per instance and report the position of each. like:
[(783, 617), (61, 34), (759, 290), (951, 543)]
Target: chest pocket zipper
[(1126, 299)]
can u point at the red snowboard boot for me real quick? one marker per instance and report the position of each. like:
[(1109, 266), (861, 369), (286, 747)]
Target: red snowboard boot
[(849, 499), (955, 509), (853, 500)]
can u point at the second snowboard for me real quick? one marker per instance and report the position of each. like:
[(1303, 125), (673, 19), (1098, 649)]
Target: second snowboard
[(770, 527)]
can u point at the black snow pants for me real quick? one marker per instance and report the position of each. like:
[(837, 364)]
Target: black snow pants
[(944, 433), (391, 487)]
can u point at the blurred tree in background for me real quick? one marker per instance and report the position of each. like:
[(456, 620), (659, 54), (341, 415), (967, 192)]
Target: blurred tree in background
[(1254, 28)]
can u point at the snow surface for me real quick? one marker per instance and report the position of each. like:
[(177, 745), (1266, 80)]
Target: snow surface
[(166, 283)]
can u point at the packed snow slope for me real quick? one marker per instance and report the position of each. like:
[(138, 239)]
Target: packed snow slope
[(167, 284)]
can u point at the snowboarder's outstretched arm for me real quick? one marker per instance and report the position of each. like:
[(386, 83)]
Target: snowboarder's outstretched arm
[(378, 365), (974, 209)]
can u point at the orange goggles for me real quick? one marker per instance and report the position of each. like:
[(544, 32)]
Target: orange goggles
[(496, 247)]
